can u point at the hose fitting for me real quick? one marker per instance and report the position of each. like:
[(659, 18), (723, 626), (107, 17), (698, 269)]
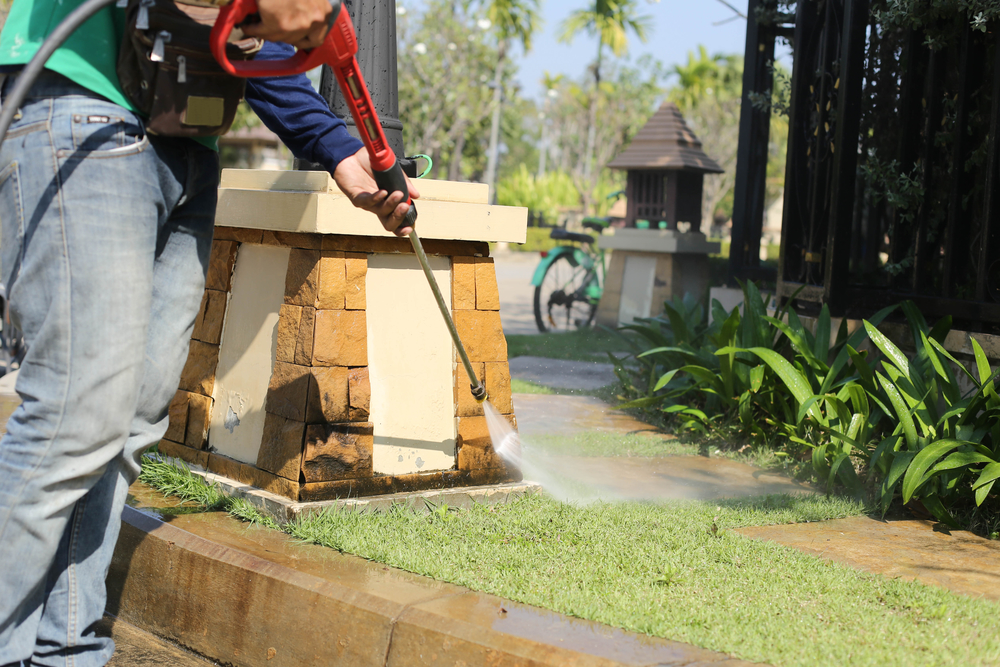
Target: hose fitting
[(479, 392)]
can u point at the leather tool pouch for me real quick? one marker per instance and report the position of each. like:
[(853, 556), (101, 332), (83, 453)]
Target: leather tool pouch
[(167, 70)]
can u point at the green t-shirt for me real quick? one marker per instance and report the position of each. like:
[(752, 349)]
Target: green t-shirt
[(89, 56)]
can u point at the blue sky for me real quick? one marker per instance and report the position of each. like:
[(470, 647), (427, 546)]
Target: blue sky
[(679, 26)]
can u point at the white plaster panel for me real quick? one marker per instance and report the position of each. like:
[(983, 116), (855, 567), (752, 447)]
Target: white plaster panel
[(249, 345), (410, 362), (637, 288)]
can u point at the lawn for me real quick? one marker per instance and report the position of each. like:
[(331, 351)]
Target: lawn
[(582, 345), (673, 570)]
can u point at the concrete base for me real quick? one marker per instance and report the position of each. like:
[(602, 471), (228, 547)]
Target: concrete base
[(638, 282), (283, 510)]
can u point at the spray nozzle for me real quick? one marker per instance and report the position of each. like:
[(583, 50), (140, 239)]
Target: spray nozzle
[(479, 393)]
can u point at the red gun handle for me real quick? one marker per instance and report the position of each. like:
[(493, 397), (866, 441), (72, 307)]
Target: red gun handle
[(359, 101), (235, 13)]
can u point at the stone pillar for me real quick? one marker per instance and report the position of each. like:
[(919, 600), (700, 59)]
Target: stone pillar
[(296, 381)]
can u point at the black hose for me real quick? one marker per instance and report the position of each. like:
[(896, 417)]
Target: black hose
[(26, 78)]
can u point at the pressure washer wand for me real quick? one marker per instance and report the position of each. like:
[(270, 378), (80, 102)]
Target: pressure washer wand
[(478, 390)]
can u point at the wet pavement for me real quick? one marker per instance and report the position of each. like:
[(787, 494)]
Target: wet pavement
[(541, 414), (957, 560), (563, 374), (663, 478)]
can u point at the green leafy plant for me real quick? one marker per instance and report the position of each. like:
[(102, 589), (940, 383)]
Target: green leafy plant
[(944, 450), (898, 424)]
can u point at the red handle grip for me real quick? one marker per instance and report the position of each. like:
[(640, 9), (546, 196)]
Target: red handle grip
[(330, 52)]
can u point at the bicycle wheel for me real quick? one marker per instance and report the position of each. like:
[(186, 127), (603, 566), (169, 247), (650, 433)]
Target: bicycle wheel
[(562, 302)]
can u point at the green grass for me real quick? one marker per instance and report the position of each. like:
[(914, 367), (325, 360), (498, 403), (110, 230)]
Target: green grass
[(529, 387), (660, 569), (178, 481), (583, 345)]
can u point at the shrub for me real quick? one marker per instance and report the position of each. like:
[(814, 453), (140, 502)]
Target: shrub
[(901, 419)]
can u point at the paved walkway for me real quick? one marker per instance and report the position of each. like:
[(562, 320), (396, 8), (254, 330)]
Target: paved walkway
[(517, 294), (957, 560), (563, 374)]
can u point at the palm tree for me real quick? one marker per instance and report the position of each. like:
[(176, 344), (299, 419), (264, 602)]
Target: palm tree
[(610, 21), (551, 84), (514, 21)]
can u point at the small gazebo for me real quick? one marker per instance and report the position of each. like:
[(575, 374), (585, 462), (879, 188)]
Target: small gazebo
[(651, 261), (666, 167)]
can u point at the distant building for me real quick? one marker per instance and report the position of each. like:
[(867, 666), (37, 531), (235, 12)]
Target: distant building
[(253, 148)]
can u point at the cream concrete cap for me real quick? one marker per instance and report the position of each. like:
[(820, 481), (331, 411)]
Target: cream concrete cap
[(311, 202)]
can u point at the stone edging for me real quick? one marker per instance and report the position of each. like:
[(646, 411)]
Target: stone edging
[(242, 608)]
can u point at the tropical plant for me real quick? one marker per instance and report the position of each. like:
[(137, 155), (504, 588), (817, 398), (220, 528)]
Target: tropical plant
[(771, 377), (945, 447), (513, 21), (546, 195), (610, 21), (444, 93), (903, 420), (630, 93)]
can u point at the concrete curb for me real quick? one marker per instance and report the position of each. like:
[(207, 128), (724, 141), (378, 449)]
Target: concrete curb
[(262, 601)]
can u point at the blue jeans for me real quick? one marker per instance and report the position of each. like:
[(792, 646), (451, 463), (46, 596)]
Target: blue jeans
[(106, 234)]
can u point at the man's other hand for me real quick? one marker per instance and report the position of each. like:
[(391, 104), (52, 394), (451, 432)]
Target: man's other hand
[(354, 178), (301, 23)]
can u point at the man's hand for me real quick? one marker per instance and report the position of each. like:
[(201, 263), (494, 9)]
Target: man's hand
[(301, 23), (354, 178)]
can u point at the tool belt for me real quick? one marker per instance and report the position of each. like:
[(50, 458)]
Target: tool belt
[(167, 70)]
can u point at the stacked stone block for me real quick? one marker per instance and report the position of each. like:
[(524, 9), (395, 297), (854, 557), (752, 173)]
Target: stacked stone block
[(318, 439), (191, 409), (476, 309)]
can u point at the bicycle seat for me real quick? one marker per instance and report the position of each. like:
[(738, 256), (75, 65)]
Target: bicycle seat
[(597, 224), (560, 234)]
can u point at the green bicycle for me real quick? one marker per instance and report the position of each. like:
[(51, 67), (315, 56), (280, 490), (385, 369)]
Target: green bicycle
[(569, 281)]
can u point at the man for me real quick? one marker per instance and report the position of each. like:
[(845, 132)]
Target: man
[(106, 233)]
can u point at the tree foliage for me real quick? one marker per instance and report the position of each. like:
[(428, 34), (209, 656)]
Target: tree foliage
[(444, 92), (629, 94), (708, 91)]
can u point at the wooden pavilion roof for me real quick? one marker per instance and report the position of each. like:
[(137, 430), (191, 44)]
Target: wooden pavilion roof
[(666, 142)]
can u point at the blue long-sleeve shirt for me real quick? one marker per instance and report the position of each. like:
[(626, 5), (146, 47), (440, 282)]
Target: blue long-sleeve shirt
[(290, 107)]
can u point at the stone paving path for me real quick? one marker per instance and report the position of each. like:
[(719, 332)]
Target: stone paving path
[(957, 560), (630, 478), (562, 374)]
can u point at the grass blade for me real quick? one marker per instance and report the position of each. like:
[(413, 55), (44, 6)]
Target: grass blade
[(822, 336)]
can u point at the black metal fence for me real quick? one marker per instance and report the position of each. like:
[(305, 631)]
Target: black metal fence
[(892, 165)]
